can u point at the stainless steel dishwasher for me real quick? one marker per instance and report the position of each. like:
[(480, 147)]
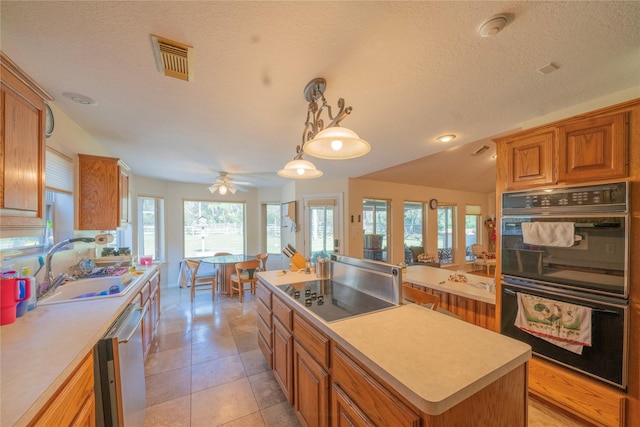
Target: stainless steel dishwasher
[(119, 372)]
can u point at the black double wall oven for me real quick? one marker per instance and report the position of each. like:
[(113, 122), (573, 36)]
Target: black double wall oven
[(565, 257)]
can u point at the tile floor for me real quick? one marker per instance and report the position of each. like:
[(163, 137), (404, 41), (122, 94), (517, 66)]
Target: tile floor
[(205, 369)]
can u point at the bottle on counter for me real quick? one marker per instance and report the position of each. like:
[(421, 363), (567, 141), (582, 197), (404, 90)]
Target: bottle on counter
[(32, 301)]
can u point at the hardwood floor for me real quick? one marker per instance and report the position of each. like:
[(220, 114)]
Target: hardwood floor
[(205, 369)]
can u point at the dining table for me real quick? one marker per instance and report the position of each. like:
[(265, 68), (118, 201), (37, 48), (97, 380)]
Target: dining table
[(226, 264)]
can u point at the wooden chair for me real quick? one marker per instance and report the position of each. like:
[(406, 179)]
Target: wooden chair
[(418, 296), (192, 268), (245, 273), (263, 261)]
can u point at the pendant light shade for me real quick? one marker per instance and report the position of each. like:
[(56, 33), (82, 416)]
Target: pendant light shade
[(299, 169), (336, 143)]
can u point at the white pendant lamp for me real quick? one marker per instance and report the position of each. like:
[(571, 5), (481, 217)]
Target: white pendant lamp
[(337, 143), (300, 169)]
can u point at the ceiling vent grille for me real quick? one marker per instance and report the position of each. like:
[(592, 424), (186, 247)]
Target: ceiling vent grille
[(480, 150), (174, 59)]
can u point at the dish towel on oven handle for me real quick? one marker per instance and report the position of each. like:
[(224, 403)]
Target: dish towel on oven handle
[(560, 323), (538, 233)]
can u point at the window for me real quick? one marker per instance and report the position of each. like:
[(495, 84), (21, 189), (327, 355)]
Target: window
[(211, 227), (375, 214), (446, 233), (473, 230), (150, 226), (413, 224), (271, 218)]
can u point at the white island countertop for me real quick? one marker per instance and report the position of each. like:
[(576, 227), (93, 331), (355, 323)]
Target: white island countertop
[(42, 348), (434, 360), (438, 279)]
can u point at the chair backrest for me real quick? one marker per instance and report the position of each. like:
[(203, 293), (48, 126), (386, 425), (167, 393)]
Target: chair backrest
[(254, 264), (476, 250), (192, 268), (420, 297), (263, 260)]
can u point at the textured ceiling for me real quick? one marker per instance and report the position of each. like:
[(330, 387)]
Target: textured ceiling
[(410, 70)]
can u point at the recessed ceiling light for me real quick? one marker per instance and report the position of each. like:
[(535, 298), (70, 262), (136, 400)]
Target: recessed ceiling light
[(80, 99), (446, 138)]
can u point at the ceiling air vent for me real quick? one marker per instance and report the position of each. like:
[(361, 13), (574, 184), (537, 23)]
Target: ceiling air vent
[(480, 150), (174, 59)]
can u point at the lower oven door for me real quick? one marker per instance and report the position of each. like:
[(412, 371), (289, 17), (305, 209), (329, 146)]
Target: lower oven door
[(605, 359)]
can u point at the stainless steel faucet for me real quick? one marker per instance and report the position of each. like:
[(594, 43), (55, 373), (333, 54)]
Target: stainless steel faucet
[(48, 274)]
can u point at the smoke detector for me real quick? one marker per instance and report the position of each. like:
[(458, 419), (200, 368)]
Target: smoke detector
[(174, 59), (493, 26)]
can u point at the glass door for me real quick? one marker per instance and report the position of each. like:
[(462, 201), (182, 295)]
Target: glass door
[(376, 231), (322, 229)]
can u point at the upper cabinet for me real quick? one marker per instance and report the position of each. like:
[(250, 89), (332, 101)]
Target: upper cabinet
[(22, 150), (593, 149), (103, 193), (588, 148), (530, 159)]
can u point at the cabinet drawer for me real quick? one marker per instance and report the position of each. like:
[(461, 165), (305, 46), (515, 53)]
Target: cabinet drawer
[(264, 313), (316, 344), (282, 312), (264, 294), (371, 398), (265, 331), (144, 294), (266, 350)]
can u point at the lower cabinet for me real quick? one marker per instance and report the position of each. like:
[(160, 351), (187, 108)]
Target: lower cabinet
[(150, 303), (360, 400), (283, 346), (74, 403)]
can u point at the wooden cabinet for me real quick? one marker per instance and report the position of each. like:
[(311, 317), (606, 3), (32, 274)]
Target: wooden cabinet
[(593, 149), (103, 193), (283, 346), (150, 302), (479, 313), (22, 150), (530, 159), (310, 373), (361, 399), (265, 325), (74, 403), (589, 148)]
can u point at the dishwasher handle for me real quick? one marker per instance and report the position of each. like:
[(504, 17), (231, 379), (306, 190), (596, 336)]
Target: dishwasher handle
[(128, 323)]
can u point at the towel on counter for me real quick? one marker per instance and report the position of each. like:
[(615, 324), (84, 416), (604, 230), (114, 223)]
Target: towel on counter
[(548, 233), (560, 323)]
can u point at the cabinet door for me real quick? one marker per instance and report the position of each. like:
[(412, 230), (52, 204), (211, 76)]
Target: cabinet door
[(124, 196), (99, 193), (311, 389), (530, 160), (22, 151), (345, 413), (283, 358), (593, 149)]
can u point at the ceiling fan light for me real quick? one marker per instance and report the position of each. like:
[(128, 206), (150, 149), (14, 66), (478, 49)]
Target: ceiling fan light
[(336, 143), (300, 169), (222, 189)]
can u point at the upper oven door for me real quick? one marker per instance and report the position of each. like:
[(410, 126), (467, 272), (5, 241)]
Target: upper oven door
[(586, 253)]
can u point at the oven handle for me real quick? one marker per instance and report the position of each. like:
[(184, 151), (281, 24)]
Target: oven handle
[(597, 310)]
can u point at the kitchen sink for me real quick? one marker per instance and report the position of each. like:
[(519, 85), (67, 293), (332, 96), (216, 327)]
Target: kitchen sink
[(89, 289)]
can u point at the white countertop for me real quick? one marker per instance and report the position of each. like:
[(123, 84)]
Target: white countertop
[(42, 348), (434, 360), (437, 278)]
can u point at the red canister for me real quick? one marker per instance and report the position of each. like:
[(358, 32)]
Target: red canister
[(10, 297)]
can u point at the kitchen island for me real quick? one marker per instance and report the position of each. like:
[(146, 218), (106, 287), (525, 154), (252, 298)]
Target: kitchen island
[(471, 300), (41, 352), (428, 367)]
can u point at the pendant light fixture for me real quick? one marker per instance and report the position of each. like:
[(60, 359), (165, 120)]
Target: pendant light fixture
[(332, 142)]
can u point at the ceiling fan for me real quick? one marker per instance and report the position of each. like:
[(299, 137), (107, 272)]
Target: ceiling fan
[(223, 184)]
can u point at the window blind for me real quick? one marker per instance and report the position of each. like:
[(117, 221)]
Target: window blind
[(59, 172)]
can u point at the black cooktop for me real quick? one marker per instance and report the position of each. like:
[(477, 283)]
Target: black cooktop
[(333, 301)]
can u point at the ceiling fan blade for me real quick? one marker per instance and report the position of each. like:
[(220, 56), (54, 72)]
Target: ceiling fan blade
[(244, 190)]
